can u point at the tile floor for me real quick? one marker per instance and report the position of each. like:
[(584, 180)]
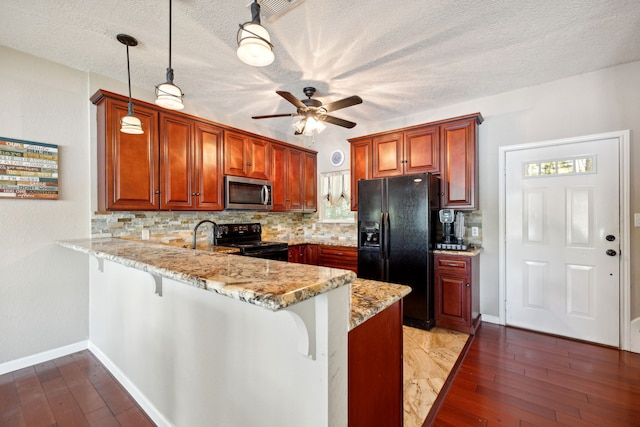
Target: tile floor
[(428, 359)]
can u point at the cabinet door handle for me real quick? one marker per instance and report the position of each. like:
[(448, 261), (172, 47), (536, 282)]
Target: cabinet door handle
[(468, 285)]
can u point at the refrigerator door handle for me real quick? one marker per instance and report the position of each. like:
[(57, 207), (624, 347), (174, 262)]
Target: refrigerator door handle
[(386, 235), (382, 234)]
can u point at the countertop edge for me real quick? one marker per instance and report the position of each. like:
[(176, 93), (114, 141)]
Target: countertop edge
[(370, 297), (237, 291)]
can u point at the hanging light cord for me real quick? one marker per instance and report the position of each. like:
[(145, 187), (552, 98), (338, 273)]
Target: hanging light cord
[(170, 70), (130, 106)]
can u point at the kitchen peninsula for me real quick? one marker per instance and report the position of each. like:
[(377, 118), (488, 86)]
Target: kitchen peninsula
[(200, 337)]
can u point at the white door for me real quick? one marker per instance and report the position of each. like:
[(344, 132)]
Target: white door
[(562, 243)]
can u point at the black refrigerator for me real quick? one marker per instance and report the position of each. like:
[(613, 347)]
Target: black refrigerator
[(394, 228)]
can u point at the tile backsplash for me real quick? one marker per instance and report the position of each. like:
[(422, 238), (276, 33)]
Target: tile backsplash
[(176, 227)]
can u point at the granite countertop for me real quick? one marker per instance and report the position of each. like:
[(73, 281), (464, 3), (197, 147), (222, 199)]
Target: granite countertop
[(473, 251), (369, 297), (270, 284)]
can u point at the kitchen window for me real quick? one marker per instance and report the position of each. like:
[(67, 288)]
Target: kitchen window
[(335, 197)]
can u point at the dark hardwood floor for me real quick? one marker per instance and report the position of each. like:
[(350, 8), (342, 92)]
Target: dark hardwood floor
[(509, 377), (75, 390), (512, 377)]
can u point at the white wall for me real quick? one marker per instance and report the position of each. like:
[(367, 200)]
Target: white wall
[(44, 288), (598, 102)]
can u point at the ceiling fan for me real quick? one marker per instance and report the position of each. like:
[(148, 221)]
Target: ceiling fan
[(312, 112)]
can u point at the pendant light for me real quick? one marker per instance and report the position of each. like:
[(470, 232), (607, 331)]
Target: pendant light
[(254, 44), (129, 123), (169, 95)]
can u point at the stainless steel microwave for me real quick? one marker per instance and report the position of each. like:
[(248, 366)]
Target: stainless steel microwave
[(247, 193)]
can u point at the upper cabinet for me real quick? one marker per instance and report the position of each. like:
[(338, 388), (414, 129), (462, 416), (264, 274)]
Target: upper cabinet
[(245, 155), (179, 162), (459, 174), (190, 164), (405, 153), (360, 167), (293, 174), (127, 164), (445, 148)]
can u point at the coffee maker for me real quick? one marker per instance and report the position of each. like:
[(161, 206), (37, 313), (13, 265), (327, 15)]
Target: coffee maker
[(452, 230)]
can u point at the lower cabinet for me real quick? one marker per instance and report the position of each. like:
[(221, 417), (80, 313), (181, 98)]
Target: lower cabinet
[(344, 257), (457, 304), (338, 257), (375, 370)]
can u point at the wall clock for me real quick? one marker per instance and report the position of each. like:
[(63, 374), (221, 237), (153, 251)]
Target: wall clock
[(337, 158)]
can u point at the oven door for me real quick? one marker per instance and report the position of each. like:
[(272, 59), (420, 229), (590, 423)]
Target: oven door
[(280, 254), (247, 193)]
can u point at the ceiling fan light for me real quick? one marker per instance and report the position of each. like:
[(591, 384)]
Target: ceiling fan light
[(298, 124), (131, 124), (315, 126), (254, 45), (308, 126), (169, 96)]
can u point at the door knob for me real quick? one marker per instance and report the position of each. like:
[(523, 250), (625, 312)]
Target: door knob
[(610, 238), (611, 252)]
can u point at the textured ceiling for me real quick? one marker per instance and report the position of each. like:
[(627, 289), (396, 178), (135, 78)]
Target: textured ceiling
[(401, 56)]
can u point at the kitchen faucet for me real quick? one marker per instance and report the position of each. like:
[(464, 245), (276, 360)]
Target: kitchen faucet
[(213, 232)]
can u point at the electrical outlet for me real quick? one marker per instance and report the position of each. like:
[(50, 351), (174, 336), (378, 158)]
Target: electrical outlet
[(145, 234), (474, 232), (636, 220)]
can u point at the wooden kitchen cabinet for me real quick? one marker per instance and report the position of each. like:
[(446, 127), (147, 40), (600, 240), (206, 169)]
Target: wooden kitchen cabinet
[(345, 257), (127, 164), (457, 304), (304, 254), (179, 162), (278, 176), (310, 181), (446, 148), (190, 164), (294, 181), (406, 153), (360, 167), (293, 175), (246, 156), (459, 165), (375, 370)]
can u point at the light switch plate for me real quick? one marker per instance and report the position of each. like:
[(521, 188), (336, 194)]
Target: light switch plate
[(636, 220)]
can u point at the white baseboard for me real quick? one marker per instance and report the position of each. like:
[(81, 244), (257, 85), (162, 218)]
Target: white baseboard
[(45, 356), (128, 385), (491, 319)]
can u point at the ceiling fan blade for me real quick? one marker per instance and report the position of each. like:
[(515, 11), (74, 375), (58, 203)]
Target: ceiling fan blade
[(343, 103), (291, 98), (339, 122), (273, 115)]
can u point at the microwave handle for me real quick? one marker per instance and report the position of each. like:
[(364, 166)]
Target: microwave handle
[(264, 193)]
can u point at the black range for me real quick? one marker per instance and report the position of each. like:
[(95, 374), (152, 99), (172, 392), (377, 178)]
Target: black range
[(248, 238)]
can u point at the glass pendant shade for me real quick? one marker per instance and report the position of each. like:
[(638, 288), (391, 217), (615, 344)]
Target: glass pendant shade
[(169, 96), (131, 124), (254, 45)]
